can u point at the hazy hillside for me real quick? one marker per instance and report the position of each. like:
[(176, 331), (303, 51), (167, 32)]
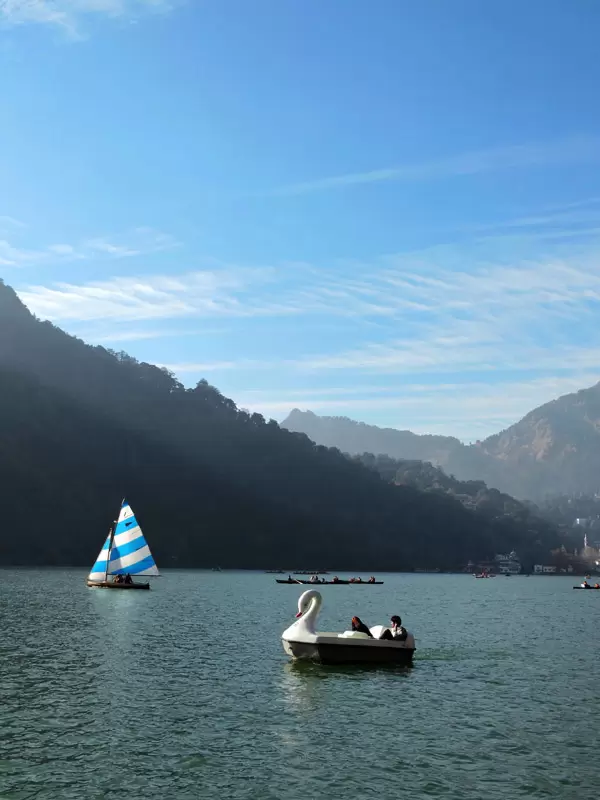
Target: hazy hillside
[(357, 437), (80, 427), (349, 436), (554, 449)]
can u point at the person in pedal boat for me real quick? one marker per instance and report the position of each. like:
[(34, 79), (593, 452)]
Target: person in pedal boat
[(397, 632), (359, 626)]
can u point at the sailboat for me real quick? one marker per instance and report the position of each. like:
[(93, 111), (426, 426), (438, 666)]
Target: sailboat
[(125, 554)]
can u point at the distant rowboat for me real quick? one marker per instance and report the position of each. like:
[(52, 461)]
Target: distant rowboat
[(330, 583)]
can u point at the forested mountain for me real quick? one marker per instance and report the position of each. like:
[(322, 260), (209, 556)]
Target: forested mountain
[(81, 427), (553, 449), (488, 503)]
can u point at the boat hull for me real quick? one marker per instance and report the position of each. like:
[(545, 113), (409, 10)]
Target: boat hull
[(111, 585), (586, 588), (332, 653)]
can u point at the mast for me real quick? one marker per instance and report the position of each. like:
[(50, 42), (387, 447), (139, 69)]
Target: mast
[(110, 545)]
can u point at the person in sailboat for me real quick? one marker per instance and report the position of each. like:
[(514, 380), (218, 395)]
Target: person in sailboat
[(128, 579)]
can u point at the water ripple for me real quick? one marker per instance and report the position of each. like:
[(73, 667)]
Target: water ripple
[(185, 692)]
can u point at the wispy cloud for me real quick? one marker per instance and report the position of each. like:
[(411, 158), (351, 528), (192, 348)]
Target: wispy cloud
[(578, 149), (69, 15), (492, 316), (139, 241), (7, 222), (208, 293), (450, 319), (120, 336), (136, 242), (13, 256)]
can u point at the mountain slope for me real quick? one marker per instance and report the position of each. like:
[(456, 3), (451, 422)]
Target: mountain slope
[(553, 449), (80, 427), (556, 446), (355, 438), (358, 437)]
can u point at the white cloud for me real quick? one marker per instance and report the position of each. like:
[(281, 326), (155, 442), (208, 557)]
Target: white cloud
[(566, 151), (136, 242), (11, 256), (102, 246), (484, 317), (139, 241), (69, 14), (7, 222), (63, 250), (201, 294), (116, 336)]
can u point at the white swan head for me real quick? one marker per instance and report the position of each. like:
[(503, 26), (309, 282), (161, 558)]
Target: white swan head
[(305, 602), (309, 605)]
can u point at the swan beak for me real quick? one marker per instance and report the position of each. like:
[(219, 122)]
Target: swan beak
[(299, 614)]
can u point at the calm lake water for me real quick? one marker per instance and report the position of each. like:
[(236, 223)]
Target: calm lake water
[(184, 692)]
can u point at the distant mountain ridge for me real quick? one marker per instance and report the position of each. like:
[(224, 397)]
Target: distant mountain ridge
[(554, 449)]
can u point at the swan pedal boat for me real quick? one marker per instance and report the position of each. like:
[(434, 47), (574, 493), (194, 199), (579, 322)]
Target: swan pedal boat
[(112, 585), (303, 642)]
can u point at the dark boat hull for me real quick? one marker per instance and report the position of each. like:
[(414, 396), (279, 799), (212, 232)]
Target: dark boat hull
[(331, 583), (335, 654), (586, 588), (111, 585)]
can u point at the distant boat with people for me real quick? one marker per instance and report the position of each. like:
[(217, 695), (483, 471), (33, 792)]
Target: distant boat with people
[(124, 555), (314, 581), (585, 585)]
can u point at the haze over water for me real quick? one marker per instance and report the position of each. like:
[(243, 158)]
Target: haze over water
[(184, 692)]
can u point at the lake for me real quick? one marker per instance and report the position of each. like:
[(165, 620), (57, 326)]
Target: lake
[(184, 692)]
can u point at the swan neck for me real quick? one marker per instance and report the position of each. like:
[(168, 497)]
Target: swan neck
[(310, 617)]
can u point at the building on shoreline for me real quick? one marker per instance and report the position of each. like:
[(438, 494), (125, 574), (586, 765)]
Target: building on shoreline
[(548, 569), (508, 564)]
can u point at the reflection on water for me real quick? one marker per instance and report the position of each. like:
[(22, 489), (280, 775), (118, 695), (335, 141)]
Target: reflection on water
[(185, 692), (302, 685)]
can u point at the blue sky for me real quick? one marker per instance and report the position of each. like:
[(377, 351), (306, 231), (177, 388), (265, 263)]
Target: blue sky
[(388, 211)]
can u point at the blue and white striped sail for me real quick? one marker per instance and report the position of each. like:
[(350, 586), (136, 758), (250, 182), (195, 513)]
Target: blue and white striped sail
[(129, 552)]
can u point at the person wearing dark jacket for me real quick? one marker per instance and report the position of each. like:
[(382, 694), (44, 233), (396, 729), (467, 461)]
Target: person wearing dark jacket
[(398, 633), (359, 625)]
